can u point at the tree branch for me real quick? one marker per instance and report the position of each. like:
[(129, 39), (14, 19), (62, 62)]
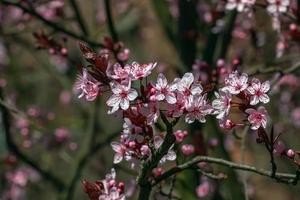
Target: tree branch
[(79, 17), (51, 24), (56, 182), (143, 179), (280, 177)]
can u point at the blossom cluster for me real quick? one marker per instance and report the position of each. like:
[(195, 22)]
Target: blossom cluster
[(141, 103), (274, 7), (106, 189)]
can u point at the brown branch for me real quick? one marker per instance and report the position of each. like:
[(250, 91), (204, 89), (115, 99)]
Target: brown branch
[(55, 181), (51, 24), (280, 177)]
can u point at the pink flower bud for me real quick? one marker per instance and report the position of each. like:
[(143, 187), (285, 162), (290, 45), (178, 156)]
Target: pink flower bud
[(180, 135), (203, 189), (279, 147), (64, 51), (157, 171), (132, 144), (187, 149), (145, 150), (290, 153)]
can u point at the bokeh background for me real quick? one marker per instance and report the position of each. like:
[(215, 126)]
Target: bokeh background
[(70, 138)]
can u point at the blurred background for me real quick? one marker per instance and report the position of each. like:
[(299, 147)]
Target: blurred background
[(56, 140)]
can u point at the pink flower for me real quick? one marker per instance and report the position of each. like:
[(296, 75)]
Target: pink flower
[(165, 91), (187, 149), (187, 86), (139, 71), (258, 91), (257, 118), (122, 95), (222, 103), (151, 111), (180, 135), (177, 109), (240, 5), (120, 152), (89, 87), (117, 72), (236, 83), (277, 6), (203, 189), (197, 108), (226, 123)]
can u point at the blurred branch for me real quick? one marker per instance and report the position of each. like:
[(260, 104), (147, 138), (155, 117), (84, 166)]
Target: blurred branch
[(79, 17), (280, 177), (53, 25), (280, 70), (110, 22), (91, 149), (187, 32), (56, 182)]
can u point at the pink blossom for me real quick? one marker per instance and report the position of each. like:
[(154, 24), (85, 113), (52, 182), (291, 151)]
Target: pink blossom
[(221, 105), (277, 6), (180, 135), (177, 109), (203, 189), (258, 91), (139, 71), (122, 95), (120, 152), (145, 150), (197, 108), (117, 72), (89, 87), (165, 91), (236, 83), (187, 149), (226, 123), (257, 118), (239, 5), (187, 86), (151, 111)]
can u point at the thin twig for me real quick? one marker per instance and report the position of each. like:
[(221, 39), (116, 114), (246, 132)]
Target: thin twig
[(110, 21), (280, 177), (53, 25), (55, 181), (79, 17)]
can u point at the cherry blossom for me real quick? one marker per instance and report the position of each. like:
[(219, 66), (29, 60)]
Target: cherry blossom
[(151, 112), (187, 149), (258, 91), (187, 86), (122, 95), (177, 109), (222, 103), (239, 5), (236, 83), (117, 72), (139, 71), (197, 108), (277, 6), (121, 152), (165, 91), (89, 87), (257, 118)]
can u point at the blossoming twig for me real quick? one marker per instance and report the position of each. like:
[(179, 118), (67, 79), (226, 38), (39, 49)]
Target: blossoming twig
[(280, 177)]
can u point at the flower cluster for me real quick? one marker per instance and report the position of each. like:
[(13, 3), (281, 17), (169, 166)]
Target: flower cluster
[(247, 95), (141, 103), (107, 189)]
